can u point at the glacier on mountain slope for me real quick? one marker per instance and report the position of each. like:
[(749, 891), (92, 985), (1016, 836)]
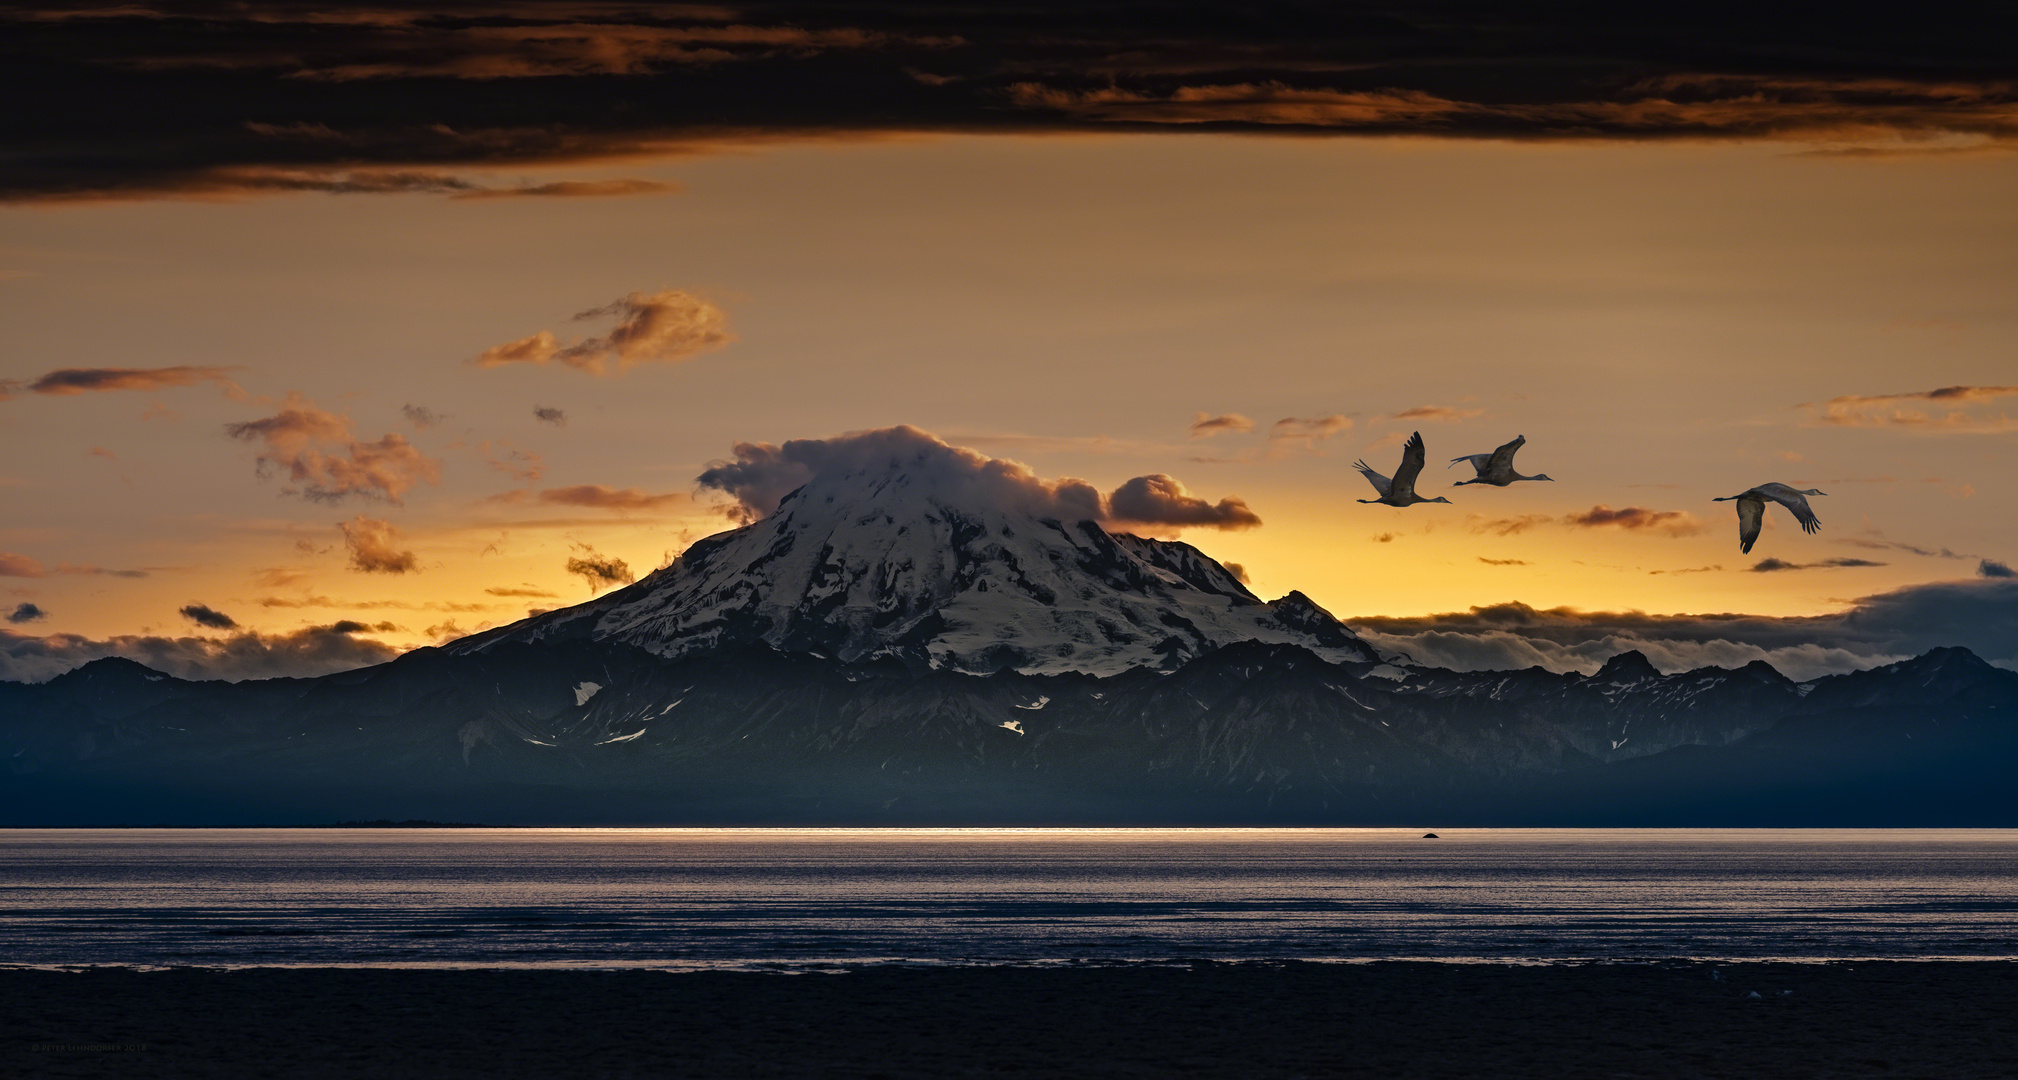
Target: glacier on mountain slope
[(868, 562)]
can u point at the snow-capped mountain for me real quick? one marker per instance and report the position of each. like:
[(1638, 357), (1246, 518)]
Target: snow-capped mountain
[(883, 559)]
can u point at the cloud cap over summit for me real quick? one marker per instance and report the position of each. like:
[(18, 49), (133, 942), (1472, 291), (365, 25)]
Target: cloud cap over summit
[(760, 475)]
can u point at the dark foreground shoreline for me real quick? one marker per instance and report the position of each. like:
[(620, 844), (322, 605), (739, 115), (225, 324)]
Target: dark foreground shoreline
[(1390, 1020)]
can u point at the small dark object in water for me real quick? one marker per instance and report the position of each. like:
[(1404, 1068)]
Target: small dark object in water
[(1431, 836)]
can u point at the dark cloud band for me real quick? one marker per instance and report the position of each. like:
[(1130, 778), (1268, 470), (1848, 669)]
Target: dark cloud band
[(248, 99)]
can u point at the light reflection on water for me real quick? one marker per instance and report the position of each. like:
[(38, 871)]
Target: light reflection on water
[(683, 898)]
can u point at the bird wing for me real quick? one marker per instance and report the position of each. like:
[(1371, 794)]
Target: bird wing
[(1798, 503), (1478, 462), (1751, 514), (1412, 453), (1380, 483), (1502, 458)]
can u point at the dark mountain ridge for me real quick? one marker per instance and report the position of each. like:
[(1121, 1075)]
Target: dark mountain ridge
[(918, 636), (578, 733)]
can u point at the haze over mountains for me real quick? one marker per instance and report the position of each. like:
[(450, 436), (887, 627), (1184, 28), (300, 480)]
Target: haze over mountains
[(906, 639)]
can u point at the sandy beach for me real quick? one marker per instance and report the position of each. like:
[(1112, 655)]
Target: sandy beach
[(1390, 1019)]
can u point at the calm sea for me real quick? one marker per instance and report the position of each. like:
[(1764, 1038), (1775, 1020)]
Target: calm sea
[(800, 899)]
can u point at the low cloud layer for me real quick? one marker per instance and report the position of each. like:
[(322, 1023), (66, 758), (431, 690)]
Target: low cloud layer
[(373, 547), (760, 475), (652, 328), (323, 461), (315, 650), (1980, 615), (1951, 409), (405, 99)]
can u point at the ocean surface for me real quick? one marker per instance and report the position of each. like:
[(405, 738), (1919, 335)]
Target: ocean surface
[(811, 899)]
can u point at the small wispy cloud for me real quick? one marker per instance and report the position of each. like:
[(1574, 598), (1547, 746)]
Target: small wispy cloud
[(1895, 411), (600, 571), (1305, 432), (1437, 412), (67, 381), (664, 327), (547, 415), (572, 189), (1770, 565), (206, 616), (1205, 427), (1506, 526), (421, 417), (25, 612), (529, 591), (1636, 519), (607, 498)]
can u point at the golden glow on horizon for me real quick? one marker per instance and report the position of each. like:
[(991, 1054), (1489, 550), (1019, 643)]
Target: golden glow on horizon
[(1665, 323)]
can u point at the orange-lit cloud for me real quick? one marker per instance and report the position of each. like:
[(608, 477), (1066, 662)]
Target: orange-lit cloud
[(1889, 411), (663, 327), (522, 465), (1239, 572), (1506, 526), (1437, 412), (1160, 500), (1305, 432), (531, 591), (67, 381), (1637, 518), (324, 462), (334, 603), (1205, 427), (373, 548), (13, 565), (607, 498)]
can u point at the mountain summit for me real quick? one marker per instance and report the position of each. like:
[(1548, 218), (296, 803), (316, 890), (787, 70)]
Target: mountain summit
[(896, 545)]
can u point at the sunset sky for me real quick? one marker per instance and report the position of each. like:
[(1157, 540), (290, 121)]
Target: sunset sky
[(336, 331)]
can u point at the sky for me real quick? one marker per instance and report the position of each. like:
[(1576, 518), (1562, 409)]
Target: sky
[(336, 331)]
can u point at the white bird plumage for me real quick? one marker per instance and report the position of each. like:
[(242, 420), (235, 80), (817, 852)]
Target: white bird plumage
[(1399, 491), (1752, 509), (1497, 468)]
